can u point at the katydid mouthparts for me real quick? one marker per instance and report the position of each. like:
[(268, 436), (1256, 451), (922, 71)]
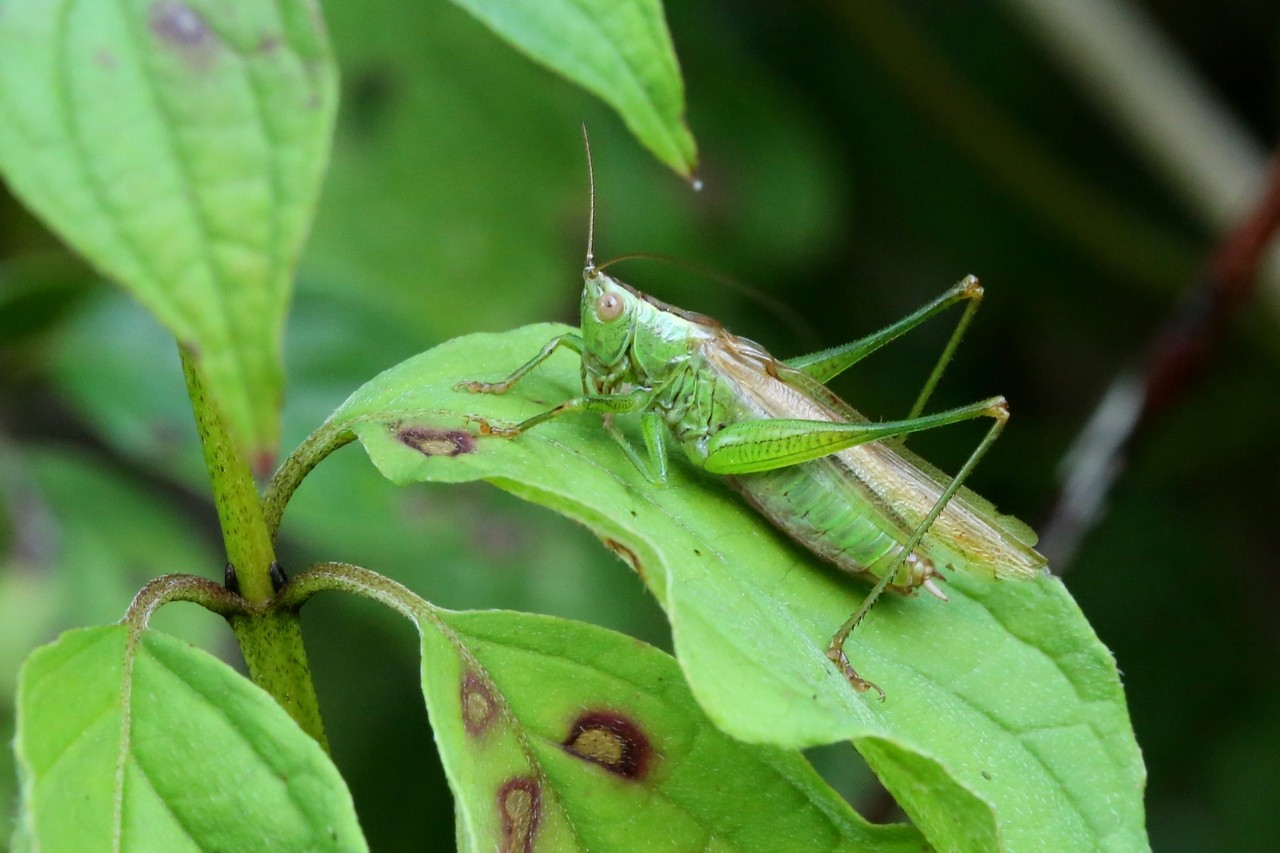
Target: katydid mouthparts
[(835, 482)]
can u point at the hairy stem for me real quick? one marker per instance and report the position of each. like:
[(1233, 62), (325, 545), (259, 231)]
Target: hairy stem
[(289, 475), (270, 640)]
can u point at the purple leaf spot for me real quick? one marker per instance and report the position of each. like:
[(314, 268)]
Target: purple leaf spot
[(519, 808), (437, 442), (178, 23), (479, 708), (613, 741)]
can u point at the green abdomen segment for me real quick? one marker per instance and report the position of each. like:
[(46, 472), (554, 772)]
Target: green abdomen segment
[(815, 504)]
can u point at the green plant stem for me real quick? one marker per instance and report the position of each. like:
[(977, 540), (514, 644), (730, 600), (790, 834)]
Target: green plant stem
[(270, 640), (209, 595), (308, 455), (244, 533), (345, 577), (271, 643)]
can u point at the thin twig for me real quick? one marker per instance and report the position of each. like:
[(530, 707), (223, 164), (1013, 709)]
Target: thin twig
[(1176, 355), (1154, 95)]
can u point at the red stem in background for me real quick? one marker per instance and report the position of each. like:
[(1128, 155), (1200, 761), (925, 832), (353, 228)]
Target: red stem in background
[(1176, 355), (1183, 345)]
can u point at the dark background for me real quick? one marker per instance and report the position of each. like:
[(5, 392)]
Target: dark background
[(858, 159)]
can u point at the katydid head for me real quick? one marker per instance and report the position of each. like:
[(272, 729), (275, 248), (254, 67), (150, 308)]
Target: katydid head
[(608, 316), (608, 306), (628, 337)]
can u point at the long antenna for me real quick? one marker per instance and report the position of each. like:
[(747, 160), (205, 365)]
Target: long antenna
[(591, 216)]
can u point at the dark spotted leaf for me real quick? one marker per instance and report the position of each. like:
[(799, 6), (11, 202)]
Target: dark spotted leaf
[(178, 145), (1005, 721), (141, 742), (561, 736)]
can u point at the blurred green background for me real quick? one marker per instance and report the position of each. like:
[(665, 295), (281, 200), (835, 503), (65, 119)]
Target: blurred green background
[(858, 158)]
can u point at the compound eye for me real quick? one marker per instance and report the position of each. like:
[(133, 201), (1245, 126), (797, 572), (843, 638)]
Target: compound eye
[(608, 307)]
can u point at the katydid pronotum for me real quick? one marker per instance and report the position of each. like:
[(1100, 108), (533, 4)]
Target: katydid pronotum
[(842, 486)]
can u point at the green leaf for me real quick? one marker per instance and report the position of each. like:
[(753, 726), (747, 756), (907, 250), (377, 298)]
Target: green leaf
[(496, 209), (88, 539), (619, 50), (142, 742), (178, 145), (1005, 690), (578, 738)]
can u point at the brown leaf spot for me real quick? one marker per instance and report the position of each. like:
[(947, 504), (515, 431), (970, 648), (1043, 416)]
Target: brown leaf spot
[(104, 58), (479, 709), (438, 442), (628, 556), (519, 807), (611, 740)]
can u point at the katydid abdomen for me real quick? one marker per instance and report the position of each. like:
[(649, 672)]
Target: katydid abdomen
[(813, 503), (857, 507)]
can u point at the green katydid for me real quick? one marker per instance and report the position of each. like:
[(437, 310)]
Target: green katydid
[(844, 487)]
